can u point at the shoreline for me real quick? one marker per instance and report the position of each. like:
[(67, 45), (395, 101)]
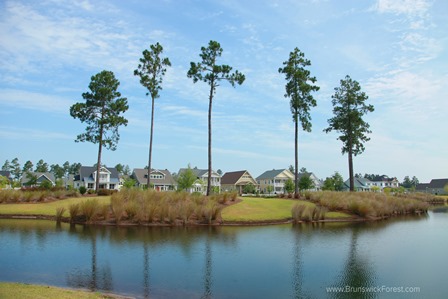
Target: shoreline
[(353, 219)]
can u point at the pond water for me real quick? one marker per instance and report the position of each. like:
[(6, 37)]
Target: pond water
[(401, 258)]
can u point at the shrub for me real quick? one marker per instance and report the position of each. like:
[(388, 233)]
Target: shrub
[(82, 190), (118, 206), (73, 209), (131, 209), (297, 212), (89, 209), (59, 213)]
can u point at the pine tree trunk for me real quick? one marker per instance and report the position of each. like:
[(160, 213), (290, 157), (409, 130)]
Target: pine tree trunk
[(148, 181), (209, 177), (350, 168), (98, 162), (296, 156)]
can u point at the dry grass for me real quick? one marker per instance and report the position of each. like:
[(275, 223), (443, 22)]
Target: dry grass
[(370, 204), (149, 206)]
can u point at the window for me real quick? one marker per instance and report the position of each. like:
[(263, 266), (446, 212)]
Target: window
[(156, 176), (90, 185), (111, 186)]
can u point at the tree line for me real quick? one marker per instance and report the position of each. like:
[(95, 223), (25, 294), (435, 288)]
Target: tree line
[(104, 105)]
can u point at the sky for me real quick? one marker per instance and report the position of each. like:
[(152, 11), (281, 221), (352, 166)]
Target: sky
[(395, 49)]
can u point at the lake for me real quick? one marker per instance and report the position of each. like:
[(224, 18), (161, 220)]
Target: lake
[(399, 258)]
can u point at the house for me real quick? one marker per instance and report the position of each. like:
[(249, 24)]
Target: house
[(200, 185), (109, 178), (274, 180), (161, 179), (384, 181), (361, 184), (436, 187), (33, 179), (317, 183), (236, 181)]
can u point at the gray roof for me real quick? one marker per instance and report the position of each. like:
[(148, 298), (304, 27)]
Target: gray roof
[(438, 183), (141, 175), (40, 176), (199, 172), (358, 182), (270, 174)]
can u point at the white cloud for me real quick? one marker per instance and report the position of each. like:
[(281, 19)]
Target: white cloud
[(406, 7), (28, 134), (34, 101)]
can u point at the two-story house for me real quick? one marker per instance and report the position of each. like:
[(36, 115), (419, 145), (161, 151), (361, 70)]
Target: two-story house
[(237, 180), (384, 181), (273, 181), (109, 178), (162, 180), (200, 185)]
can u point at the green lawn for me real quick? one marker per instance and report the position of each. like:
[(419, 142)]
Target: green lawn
[(259, 209), (46, 208), (27, 291)]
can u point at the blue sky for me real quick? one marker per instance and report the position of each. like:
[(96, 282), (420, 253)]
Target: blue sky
[(396, 49)]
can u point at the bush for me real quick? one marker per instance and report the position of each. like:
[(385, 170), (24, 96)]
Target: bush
[(106, 192), (89, 209), (59, 213), (82, 190), (73, 209)]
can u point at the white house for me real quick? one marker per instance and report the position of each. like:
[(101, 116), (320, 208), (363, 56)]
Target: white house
[(384, 182), (109, 178), (200, 185), (274, 178)]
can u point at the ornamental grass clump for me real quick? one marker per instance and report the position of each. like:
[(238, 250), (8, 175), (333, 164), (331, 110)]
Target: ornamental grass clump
[(118, 205), (297, 211), (59, 213), (89, 208), (73, 210)]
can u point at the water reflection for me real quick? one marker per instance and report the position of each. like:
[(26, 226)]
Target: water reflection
[(357, 275), (95, 278), (284, 261)]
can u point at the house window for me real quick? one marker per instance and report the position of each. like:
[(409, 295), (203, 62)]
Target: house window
[(112, 186), (156, 176), (90, 185)]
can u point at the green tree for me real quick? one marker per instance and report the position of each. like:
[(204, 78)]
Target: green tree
[(126, 170), (414, 182), (328, 184), (57, 170), (66, 167), (119, 167), (338, 181), (101, 112), (298, 88), (6, 166), (15, 168), (74, 168), (186, 178), (211, 73), (151, 69), (249, 189), (4, 182), (289, 186), (407, 183), (27, 167), (129, 183), (348, 108), (31, 179), (41, 166), (269, 189), (306, 183)]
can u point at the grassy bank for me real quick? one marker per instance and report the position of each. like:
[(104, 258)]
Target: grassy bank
[(268, 209), (47, 208), (27, 291)]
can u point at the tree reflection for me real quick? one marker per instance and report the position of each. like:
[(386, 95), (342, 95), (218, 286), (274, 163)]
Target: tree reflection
[(297, 275), (208, 277), (146, 268), (97, 278), (357, 273)]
